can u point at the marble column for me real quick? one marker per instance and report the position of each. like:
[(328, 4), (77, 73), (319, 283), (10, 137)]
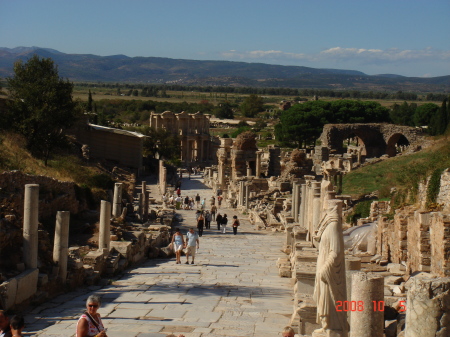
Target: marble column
[(427, 307), (145, 205), (241, 192), (117, 203), (303, 201), (294, 201), (61, 244), (30, 225), (140, 198), (144, 201), (316, 206), (309, 205), (105, 225), (368, 295), (247, 195)]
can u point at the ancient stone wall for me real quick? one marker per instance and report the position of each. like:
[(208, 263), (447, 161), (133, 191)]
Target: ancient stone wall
[(444, 191), (377, 138), (440, 244), (419, 239), (54, 195)]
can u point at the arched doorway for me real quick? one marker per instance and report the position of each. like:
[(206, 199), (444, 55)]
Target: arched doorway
[(395, 144)]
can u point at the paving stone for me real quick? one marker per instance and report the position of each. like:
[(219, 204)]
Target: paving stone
[(232, 290)]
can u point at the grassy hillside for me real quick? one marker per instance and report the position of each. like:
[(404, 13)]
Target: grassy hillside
[(402, 173), (65, 167)]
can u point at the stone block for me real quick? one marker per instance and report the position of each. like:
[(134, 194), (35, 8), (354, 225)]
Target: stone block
[(284, 272), (42, 280), (396, 269), (26, 285), (8, 291), (306, 278)]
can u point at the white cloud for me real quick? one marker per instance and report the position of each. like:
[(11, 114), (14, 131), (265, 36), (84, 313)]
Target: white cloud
[(339, 54)]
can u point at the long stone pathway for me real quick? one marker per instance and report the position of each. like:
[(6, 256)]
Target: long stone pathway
[(233, 289)]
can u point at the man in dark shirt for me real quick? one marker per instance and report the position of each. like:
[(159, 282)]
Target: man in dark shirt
[(218, 220)]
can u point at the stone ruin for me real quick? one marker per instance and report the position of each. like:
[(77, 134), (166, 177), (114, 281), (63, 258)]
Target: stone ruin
[(128, 232), (397, 271)]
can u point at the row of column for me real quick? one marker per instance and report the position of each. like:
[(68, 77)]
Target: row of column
[(61, 240), (425, 308)]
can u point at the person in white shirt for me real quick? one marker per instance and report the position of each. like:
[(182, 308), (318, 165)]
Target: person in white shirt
[(192, 244)]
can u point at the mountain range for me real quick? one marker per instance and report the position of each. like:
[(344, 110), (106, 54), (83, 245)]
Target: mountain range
[(121, 68)]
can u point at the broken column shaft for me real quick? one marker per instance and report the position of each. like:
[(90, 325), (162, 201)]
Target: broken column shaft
[(30, 225), (117, 203), (61, 245), (105, 224), (367, 320)]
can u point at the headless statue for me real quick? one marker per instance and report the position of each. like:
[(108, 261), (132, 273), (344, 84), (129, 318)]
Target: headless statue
[(330, 284)]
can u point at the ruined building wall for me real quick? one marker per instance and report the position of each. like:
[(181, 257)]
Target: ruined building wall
[(55, 195), (440, 244), (444, 191), (419, 239)]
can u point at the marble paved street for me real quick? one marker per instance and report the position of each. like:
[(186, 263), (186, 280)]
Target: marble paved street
[(233, 289)]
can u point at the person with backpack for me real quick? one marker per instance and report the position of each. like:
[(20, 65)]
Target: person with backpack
[(224, 223), (235, 224)]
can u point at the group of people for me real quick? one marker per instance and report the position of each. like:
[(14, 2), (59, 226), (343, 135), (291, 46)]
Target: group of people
[(11, 327), (189, 203)]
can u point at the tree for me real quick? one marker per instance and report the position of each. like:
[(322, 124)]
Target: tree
[(163, 142), (40, 105), (89, 102), (252, 105), (403, 114), (224, 110), (424, 113)]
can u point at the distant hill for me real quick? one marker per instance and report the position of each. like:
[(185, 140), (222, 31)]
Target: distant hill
[(121, 68)]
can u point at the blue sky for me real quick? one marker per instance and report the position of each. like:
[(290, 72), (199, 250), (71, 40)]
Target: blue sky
[(405, 37)]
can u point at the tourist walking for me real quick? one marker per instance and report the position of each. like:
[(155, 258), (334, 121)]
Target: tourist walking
[(186, 202), (218, 221), (192, 244), (203, 204), (213, 212), (200, 224), (224, 223), (191, 204), (178, 244), (178, 202), (212, 200), (219, 200), (207, 220), (197, 200), (90, 323), (235, 224)]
